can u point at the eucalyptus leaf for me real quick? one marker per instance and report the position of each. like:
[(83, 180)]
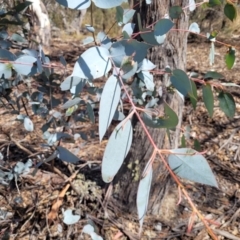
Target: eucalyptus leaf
[(189, 164)]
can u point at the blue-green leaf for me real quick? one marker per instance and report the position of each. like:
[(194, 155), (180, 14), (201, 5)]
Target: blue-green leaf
[(116, 150), (181, 82), (93, 63), (143, 196), (189, 164), (108, 104)]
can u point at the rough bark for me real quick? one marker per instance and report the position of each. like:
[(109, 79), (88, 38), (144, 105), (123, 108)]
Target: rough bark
[(163, 198)]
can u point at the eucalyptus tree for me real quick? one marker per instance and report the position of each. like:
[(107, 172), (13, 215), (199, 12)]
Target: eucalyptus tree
[(170, 54)]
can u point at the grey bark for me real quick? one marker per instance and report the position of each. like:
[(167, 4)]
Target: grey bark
[(163, 196)]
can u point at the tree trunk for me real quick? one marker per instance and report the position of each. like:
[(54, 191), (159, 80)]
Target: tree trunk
[(41, 25), (163, 197)]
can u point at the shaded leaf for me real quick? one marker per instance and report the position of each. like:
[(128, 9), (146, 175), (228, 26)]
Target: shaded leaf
[(193, 94), (181, 82), (66, 156), (197, 145), (71, 103), (175, 12), (123, 48), (90, 112), (162, 27), (148, 36), (208, 98), (227, 104), (169, 120), (213, 75), (128, 67), (230, 11)]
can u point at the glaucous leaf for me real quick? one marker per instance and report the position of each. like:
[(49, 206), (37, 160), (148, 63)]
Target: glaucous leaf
[(194, 28), (189, 164), (143, 196), (75, 4), (108, 104), (181, 82), (116, 150), (66, 155), (93, 63), (168, 120), (25, 65), (28, 124), (175, 12), (69, 218)]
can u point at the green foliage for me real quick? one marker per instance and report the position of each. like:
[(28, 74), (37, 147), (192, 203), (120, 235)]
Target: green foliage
[(208, 98), (227, 104), (230, 11), (175, 12), (230, 58)]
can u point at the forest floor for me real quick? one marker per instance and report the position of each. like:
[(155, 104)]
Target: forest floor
[(31, 207)]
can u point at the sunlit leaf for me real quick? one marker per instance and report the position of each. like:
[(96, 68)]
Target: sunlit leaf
[(212, 54), (108, 104), (143, 196), (194, 28), (69, 218), (28, 124), (189, 164), (192, 5), (116, 150), (230, 58), (93, 63)]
